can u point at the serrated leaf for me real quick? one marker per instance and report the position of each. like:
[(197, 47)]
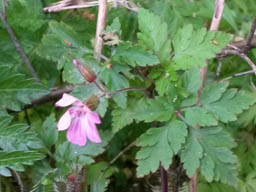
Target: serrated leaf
[(199, 116), (210, 151), (157, 109), (135, 55), (17, 137), (213, 92), (52, 48), (218, 104), (26, 14), (19, 157), (16, 90), (123, 117), (193, 47), (159, 145), (115, 81), (231, 104), (154, 35)]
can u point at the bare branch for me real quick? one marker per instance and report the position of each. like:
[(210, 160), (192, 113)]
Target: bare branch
[(55, 94), (18, 46), (238, 75), (17, 177), (101, 22), (67, 5), (241, 55), (250, 37)]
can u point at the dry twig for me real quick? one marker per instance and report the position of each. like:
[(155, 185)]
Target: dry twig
[(101, 22)]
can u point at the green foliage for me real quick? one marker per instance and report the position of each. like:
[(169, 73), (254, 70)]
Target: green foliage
[(98, 177), (154, 35), (159, 48), (209, 149), (158, 109), (135, 55), (193, 47), (62, 45), (159, 145), (218, 104), (13, 158), (116, 81), (68, 153), (16, 90), (48, 132), (122, 118)]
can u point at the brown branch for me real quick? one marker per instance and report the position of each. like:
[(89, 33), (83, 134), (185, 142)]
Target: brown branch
[(18, 46), (241, 55), (67, 5), (250, 37), (101, 22), (18, 179), (219, 7), (55, 94)]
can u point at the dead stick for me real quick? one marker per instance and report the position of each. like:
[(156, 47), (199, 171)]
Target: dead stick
[(101, 22)]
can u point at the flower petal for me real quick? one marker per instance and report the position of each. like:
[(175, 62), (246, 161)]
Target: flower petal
[(90, 129), (93, 117), (76, 134), (66, 100), (64, 121)]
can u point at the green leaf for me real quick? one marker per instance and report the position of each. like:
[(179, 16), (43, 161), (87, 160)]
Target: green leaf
[(159, 145), (210, 151), (68, 152), (198, 115), (48, 132), (191, 80), (193, 47), (231, 104), (16, 90), (154, 35), (123, 117), (26, 14), (115, 81), (97, 179), (158, 109), (135, 55), (115, 27), (218, 104), (17, 137), (213, 92), (19, 157)]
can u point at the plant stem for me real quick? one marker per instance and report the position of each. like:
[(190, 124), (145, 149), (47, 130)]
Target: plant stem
[(101, 22), (219, 7), (164, 179)]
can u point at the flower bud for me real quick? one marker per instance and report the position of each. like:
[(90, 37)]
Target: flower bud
[(85, 71), (92, 102)]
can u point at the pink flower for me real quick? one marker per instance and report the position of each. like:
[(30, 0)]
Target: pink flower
[(79, 120)]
